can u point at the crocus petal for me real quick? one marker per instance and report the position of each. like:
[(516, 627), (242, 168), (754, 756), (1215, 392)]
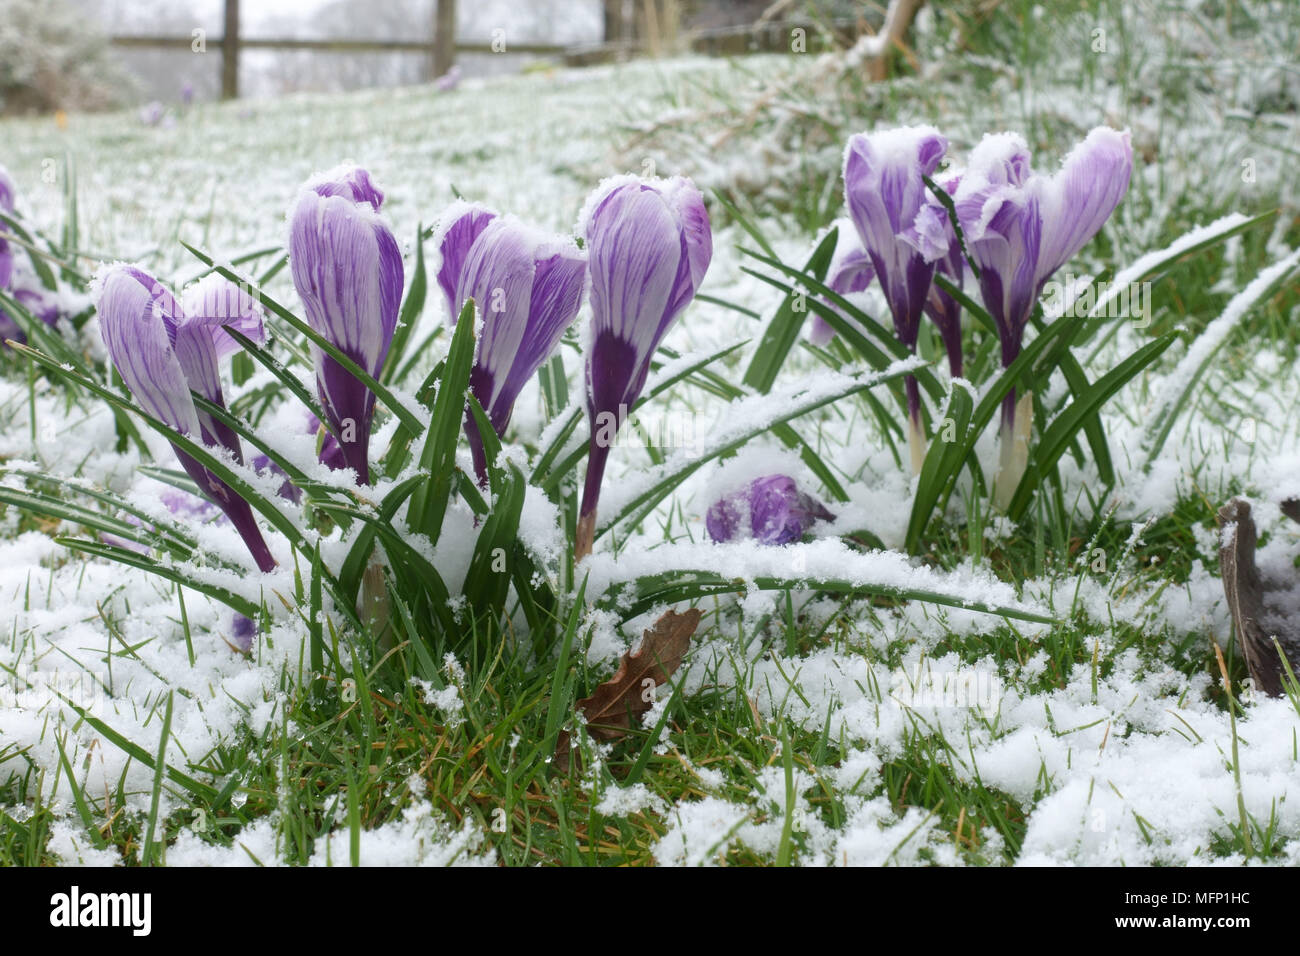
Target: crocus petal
[(884, 189), (40, 303), (8, 193), (461, 224), (348, 272), (1076, 202), (528, 287), (1022, 226), (214, 301), (10, 330), (933, 236), (556, 297), (137, 321), (850, 271), (498, 275), (350, 182)]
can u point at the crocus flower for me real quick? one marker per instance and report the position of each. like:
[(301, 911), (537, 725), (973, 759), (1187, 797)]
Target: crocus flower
[(449, 80), (649, 245), (850, 271), (242, 631), (771, 510), (527, 287), (26, 289), (1020, 227), (162, 355), (153, 113), (884, 189), (348, 271), (933, 236)]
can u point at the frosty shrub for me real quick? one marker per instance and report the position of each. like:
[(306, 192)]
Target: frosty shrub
[(50, 59)]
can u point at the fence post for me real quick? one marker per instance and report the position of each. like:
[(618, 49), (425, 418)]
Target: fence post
[(613, 21), (230, 52), (444, 36)]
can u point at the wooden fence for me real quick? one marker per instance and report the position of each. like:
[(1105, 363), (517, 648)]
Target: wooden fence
[(441, 48)]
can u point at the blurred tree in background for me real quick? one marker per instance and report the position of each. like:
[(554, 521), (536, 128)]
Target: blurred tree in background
[(51, 58)]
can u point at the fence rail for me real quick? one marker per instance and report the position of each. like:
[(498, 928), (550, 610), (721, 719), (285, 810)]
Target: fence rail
[(335, 46), (725, 41)]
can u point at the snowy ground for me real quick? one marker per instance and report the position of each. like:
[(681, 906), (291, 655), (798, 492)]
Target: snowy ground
[(1124, 760)]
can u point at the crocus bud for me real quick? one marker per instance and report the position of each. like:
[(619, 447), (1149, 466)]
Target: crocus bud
[(243, 631), (161, 357), (771, 510), (884, 187), (449, 80), (527, 286), (1020, 227), (348, 272), (648, 246)]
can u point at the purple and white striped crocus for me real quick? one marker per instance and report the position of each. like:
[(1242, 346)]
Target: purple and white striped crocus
[(162, 354), (527, 286), (347, 269), (1020, 227), (771, 510), (649, 244), (40, 303), (884, 190)]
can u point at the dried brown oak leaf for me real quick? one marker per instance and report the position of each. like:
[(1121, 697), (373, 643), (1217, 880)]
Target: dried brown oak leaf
[(630, 692), (1259, 613)]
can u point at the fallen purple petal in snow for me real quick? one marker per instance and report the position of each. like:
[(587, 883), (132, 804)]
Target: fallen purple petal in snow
[(348, 272), (772, 510)]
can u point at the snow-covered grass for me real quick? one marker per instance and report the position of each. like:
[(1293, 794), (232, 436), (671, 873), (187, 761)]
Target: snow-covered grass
[(806, 727)]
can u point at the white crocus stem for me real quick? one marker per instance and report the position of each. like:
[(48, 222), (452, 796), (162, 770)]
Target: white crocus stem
[(1013, 454), (916, 444)]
